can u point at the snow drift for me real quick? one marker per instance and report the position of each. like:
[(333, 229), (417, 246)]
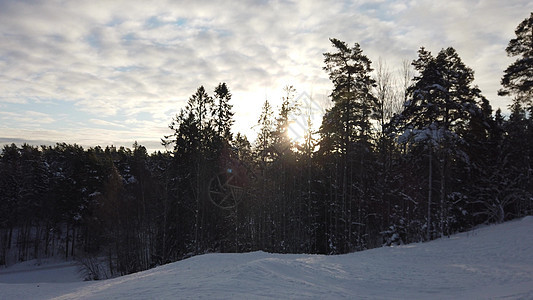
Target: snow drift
[(490, 262)]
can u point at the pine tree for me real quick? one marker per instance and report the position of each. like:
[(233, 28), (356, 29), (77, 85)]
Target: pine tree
[(346, 135), (518, 81), (518, 77), (349, 70)]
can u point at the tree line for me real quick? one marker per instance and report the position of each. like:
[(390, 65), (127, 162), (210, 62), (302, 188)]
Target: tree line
[(390, 164)]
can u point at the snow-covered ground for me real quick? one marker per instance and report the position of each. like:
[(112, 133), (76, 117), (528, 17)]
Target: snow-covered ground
[(493, 262)]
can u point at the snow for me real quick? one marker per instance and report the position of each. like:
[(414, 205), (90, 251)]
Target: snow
[(489, 262)]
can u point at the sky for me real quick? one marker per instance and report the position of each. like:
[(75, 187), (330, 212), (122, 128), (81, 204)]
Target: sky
[(116, 72)]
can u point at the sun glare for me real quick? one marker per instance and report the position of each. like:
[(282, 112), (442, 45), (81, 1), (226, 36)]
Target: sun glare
[(308, 110), (297, 131)]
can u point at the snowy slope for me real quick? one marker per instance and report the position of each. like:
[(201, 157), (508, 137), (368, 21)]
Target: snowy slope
[(491, 262)]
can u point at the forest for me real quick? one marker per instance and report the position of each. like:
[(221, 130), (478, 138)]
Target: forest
[(391, 164)]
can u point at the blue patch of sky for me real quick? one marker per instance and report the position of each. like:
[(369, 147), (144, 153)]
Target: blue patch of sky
[(218, 32), (127, 68), (129, 37), (143, 116), (180, 22), (376, 9), (51, 107), (110, 126), (61, 112), (155, 22), (93, 40), (114, 22), (120, 121), (223, 32), (347, 4)]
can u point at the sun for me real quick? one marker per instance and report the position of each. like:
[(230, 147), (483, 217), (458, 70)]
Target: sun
[(297, 130), (307, 116)]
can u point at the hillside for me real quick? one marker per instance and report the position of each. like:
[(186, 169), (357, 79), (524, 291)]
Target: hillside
[(489, 262)]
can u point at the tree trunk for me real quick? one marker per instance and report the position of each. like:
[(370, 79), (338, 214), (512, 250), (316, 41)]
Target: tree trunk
[(430, 190), (66, 242), (443, 214)]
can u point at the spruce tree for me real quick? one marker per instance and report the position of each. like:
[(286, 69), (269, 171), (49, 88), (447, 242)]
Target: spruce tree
[(264, 141), (222, 112), (441, 104)]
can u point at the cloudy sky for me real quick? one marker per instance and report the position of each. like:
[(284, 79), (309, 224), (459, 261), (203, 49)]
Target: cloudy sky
[(115, 72)]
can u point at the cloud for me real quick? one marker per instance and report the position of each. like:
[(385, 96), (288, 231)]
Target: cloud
[(29, 117), (110, 61), (106, 123)]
